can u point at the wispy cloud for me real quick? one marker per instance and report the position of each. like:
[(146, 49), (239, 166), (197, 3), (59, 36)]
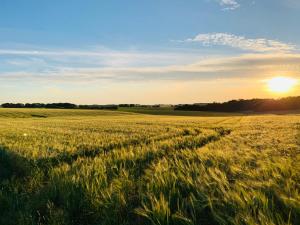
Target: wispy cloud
[(243, 66), (229, 4), (241, 42), (84, 66), (98, 57)]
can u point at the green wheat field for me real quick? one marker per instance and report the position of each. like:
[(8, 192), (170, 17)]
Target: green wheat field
[(119, 167)]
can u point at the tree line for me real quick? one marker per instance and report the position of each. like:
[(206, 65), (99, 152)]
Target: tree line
[(74, 106), (57, 106), (251, 105)]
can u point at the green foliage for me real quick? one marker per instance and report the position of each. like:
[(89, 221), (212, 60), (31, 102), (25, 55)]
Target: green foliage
[(101, 167)]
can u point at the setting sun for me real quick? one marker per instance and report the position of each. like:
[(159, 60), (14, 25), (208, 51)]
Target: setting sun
[(281, 84)]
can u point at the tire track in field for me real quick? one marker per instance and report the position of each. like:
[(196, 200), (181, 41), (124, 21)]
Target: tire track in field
[(26, 166), (13, 164), (47, 163), (169, 150), (69, 158), (139, 167)]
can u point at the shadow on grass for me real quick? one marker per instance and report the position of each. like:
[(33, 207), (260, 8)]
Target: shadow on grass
[(13, 165), (29, 196)]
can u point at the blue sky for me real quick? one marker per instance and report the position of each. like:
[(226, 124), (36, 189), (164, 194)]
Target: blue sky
[(142, 51)]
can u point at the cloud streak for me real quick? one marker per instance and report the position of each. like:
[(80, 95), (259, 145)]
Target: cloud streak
[(243, 66), (241, 42), (98, 57)]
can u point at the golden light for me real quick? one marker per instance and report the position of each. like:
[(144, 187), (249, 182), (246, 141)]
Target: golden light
[(281, 84)]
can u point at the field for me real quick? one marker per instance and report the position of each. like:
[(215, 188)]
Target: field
[(117, 167), (171, 112)]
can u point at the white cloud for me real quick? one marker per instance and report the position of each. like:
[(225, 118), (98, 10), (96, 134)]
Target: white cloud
[(241, 42), (243, 66), (229, 4), (98, 57), (84, 66)]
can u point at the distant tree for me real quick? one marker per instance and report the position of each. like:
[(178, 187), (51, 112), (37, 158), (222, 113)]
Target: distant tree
[(241, 105), (127, 105), (13, 105), (109, 107), (34, 105), (61, 106), (58, 106)]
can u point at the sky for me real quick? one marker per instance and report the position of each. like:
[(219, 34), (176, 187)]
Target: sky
[(147, 52)]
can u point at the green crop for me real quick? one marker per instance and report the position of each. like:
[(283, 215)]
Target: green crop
[(113, 167)]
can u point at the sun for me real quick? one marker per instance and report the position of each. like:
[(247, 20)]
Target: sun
[(281, 84)]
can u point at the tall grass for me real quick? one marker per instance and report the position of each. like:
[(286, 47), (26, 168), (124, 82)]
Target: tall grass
[(73, 168)]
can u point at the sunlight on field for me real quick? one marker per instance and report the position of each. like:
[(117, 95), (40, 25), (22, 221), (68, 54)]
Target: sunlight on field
[(110, 167)]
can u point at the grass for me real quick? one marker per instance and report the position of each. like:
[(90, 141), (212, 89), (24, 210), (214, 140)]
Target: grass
[(114, 167), (44, 113), (171, 112)]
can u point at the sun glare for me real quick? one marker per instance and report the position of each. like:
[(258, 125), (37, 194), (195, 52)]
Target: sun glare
[(281, 84)]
